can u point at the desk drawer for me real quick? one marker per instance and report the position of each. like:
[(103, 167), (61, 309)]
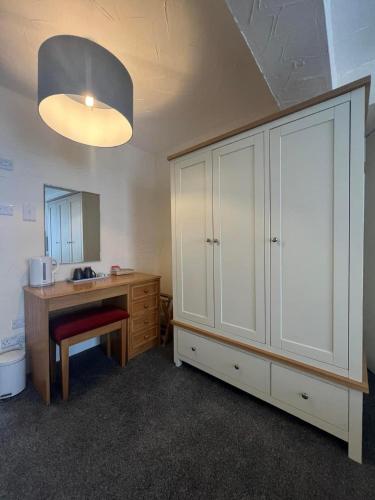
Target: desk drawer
[(315, 397), (142, 306), (239, 366), (144, 321), (140, 291), (144, 337)]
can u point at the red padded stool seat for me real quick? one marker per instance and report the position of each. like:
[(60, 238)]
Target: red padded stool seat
[(68, 325)]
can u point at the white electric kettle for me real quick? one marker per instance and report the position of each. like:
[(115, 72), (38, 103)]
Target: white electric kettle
[(41, 271)]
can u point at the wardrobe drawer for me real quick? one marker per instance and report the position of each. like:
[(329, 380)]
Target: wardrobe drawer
[(144, 321), (144, 337), (145, 290), (315, 397), (238, 366), (141, 306)]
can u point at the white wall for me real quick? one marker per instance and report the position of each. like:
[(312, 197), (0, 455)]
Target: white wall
[(369, 270), (126, 178)]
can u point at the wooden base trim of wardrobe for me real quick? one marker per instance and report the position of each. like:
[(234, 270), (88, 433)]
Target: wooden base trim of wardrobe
[(362, 82), (319, 372)]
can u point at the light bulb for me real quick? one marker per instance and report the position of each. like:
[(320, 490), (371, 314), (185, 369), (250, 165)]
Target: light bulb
[(89, 101)]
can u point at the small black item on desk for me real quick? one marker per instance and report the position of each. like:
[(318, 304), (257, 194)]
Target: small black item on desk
[(89, 273), (78, 274)]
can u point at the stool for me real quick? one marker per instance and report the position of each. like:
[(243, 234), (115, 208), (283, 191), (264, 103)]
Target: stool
[(79, 326)]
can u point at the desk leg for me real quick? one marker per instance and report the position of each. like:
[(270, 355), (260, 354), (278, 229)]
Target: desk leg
[(37, 343), (119, 342), (123, 354)]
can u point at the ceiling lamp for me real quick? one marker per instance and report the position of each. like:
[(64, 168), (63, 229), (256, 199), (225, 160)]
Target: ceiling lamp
[(84, 92)]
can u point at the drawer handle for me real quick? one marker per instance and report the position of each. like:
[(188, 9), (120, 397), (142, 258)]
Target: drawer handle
[(145, 291), (146, 336), (146, 306), (193, 349), (146, 322), (236, 367), (304, 395)]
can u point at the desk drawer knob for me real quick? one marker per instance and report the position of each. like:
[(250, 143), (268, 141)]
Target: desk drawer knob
[(146, 306), (236, 367), (304, 395), (146, 322), (193, 349), (146, 336), (145, 291)]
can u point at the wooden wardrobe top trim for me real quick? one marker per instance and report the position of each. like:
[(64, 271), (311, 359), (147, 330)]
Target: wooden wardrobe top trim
[(362, 82), (319, 372), (64, 288)]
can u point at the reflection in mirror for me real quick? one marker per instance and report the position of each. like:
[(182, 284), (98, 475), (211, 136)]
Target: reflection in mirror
[(72, 225)]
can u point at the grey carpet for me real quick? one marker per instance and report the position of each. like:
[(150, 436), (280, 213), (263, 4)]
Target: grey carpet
[(155, 431)]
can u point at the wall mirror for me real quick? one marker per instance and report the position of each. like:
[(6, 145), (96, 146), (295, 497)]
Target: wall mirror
[(71, 225)]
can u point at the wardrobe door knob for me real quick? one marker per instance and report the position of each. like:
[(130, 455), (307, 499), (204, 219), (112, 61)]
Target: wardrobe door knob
[(193, 349), (208, 240), (236, 367), (216, 241), (275, 240), (304, 395)]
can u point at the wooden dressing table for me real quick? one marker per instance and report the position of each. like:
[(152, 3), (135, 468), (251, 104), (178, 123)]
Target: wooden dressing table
[(138, 293)]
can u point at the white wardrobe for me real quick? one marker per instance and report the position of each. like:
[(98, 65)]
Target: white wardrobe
[(267, 232)]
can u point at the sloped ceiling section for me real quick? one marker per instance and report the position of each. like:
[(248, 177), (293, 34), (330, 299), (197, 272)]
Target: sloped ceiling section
[(289, 43)]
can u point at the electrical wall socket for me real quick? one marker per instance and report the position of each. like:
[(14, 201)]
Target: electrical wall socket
[(18, 323), (29, 212), (6, 209), (6, 164), (12, 342)]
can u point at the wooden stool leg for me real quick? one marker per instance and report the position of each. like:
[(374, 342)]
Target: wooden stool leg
[(64, 359), (123, 333), (52, 360)]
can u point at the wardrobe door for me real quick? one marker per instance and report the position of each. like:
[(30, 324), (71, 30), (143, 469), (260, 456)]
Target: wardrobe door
[(309, 168), (239, 238), (66, 232), (76, 223), (194, 247), (54, 231)]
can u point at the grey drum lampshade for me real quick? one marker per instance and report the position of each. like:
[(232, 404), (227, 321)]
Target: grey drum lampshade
[(84, 92)]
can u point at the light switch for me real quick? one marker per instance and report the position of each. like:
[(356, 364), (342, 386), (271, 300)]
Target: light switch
[(29, 212), (6, 164), (6, 209)]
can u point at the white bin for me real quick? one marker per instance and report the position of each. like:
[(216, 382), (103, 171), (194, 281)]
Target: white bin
[(12, 373)]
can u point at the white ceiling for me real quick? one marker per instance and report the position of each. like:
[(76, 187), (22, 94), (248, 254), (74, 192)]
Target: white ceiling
[(351, 30), (192, 72), (353, 40), (306, 47), (289, 42)]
